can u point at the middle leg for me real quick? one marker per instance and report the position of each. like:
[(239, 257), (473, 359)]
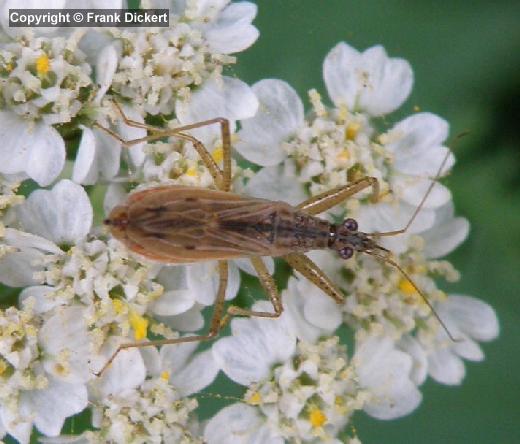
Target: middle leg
[(269, 286), (217, 322)]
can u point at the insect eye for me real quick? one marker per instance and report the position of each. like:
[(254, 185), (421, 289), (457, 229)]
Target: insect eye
[(350, 224), (346, 252)]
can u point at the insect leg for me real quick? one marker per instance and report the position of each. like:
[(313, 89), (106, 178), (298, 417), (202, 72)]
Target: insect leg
[(180, 132), (313, 273), (160, 134), (226, 144), (216, 322), (269, 286), (328, 199)]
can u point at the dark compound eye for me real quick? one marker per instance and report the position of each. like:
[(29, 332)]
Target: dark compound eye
[(346, 252), (350, 224)]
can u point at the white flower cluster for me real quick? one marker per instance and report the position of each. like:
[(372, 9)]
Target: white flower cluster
[(83, 293)]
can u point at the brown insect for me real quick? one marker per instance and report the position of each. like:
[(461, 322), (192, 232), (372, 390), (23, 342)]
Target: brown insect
[(179, 224)]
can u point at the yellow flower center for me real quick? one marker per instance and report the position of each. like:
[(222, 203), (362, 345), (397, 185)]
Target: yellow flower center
[(352, 131), (317, 418), (3, 366), (191, 171), (255, 399), (118, 305), (42, 64), (218, 154), (343, 155), (139, 324), (165, 375), (407, 287)]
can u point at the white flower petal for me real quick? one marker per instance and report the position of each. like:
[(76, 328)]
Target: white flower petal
[(294, 305), (321, 310), (98, 155), (173, 303), (229, 98), (385, 372), (52, 405), (417, 145), (39, 298), (244, 425), (369, 81), (106, 65), (255, 346), (73, 339), (472, 316), (383, 217), (199, 372), (47, 155), (469, 350), (36, 149), (20, 430), (22, 240), (207, 9), (63, 214), (84, 171), (175, 357), (446, 368), (233, 31), (128, 133), (116, 379), (189, 321), (203, 280), (419, 370), (280, 114), (412, 190), (276, 184), (114, 195), (447, 233), (17, 269)]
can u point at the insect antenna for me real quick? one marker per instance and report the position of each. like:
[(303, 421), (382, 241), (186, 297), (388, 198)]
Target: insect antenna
[(414, 285), (433, 182), (385, 257)]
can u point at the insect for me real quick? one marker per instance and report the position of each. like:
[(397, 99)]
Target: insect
[(180, 224)]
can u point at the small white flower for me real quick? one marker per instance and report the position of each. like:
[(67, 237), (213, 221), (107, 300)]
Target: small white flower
[(368, 81), (226, 97), (34, 149), (129, 407), (244, 425), (187, 371), (385, 373), (469, 321), (97, 158), (60, 216), (280, 115), (42, 388), (304, 391)]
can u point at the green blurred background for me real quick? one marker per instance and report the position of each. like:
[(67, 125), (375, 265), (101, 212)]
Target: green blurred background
[(466, 59)]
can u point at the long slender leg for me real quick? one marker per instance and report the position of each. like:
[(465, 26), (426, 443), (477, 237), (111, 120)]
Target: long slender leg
[(313, 273), (269, 286), (204, 154), (216, 321), (328, 199), (180, 132)]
